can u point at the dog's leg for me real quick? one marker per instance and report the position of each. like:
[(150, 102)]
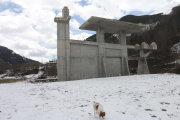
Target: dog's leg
[(94, 111), (96, 107), (99, 115)]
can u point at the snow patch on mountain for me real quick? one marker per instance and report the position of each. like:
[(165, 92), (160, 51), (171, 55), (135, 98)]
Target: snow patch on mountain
[(168, 8), (176, 48)]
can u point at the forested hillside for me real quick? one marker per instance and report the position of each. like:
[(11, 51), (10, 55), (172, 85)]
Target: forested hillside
[(9, 58), (167, 36), (145, 19)]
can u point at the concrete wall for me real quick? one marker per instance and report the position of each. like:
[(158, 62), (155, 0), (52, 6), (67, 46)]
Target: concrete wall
[(113, 62), (113, 66), (93, 59), (84, 61)]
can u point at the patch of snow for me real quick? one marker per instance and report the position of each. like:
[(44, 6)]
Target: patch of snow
[(34, 76), (41, 67), (137, 97), (39, 74), (176, 48), (8, 72), (149, 26), (30, 76), (2, 75), (174, 62)]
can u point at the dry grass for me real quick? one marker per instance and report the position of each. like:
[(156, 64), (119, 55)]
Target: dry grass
[(9, 80)]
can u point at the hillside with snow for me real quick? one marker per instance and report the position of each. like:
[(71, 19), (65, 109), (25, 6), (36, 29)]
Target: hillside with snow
[(168, 8), (137, 97)]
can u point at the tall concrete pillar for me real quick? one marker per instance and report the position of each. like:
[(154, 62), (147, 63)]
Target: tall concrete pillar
[(101, 55), (124, 58), (102, 58), (62, 41)]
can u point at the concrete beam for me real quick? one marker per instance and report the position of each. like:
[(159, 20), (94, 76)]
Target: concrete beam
[(110, 25)]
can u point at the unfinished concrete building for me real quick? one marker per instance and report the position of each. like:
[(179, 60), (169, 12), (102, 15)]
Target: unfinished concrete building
[(83, 59)]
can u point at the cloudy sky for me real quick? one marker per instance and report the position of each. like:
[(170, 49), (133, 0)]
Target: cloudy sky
[(28, 28)]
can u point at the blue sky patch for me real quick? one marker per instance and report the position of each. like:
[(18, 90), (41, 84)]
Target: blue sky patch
[(77, 17), (10, 6), (81, 21), (83, 3), (56, 11)]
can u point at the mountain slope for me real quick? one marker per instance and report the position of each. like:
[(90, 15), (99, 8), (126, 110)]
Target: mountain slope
[(168, 8), (8, 57), (144, 19), (166, 35)]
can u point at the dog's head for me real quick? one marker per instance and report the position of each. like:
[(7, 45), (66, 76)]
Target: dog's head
[(102, 114)]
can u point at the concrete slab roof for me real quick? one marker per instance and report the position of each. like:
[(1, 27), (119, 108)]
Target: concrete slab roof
[(110, 25)]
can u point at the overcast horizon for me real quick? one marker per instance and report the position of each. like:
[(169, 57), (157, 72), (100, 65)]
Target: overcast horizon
[(27, 26)]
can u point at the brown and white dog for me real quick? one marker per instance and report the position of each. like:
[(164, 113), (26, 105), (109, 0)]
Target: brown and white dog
[(98, 109)]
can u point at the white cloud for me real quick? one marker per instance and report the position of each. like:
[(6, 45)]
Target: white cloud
[(74, 24), (102, 8), (129, 5), (30, 33), (27, 48)]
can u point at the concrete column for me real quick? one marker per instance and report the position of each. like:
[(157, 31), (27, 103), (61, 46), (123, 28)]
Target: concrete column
[(142, 63), (124, 58), (100, 35), (122, 37), (100, 39), (101, 57), (63, 44)]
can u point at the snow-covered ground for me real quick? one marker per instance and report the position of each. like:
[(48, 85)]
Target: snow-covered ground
[(137, 97)]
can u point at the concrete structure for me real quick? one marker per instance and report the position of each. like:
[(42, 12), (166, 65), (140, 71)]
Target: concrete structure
[(83, 59)]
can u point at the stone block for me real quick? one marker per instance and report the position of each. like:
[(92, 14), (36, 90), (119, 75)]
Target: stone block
[(137, 46), (145, 45), (153, 46)]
